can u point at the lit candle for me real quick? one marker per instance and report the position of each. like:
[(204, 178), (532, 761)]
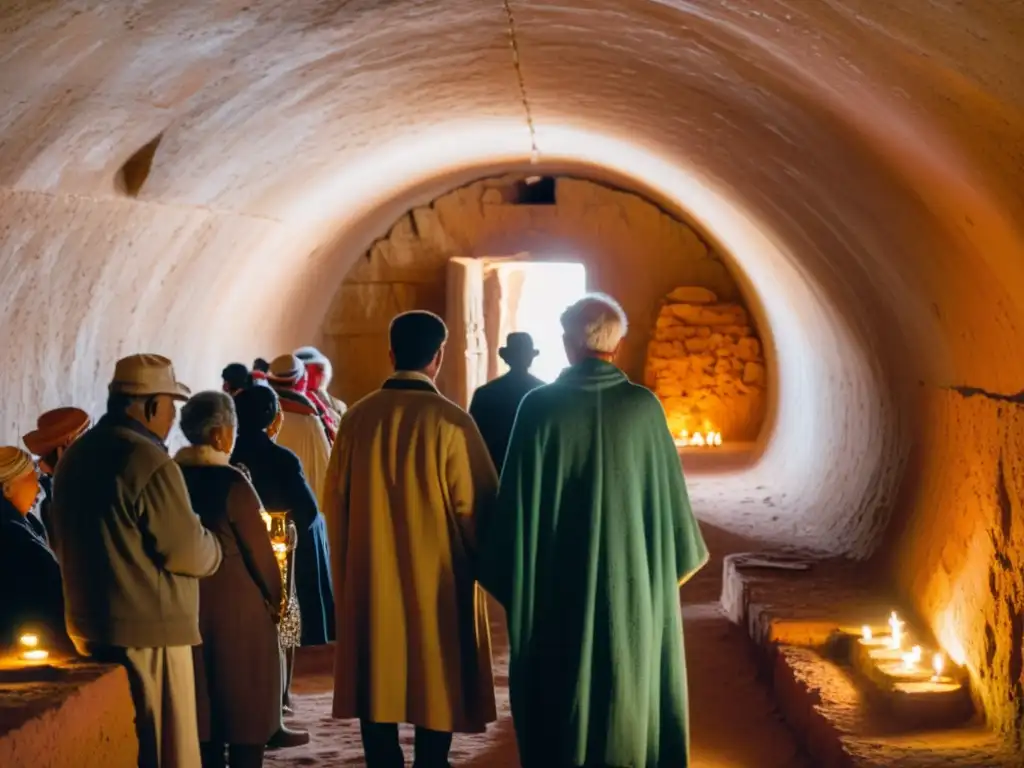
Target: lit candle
[(938, 664), (909, 662), (30, 642), (865, 632), (916, 651), (896, 629)]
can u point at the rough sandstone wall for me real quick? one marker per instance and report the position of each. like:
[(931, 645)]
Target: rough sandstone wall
[(705, 364), (957, 551), (631, 249)]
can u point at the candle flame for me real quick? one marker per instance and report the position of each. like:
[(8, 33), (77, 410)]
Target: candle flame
[(909, 662), (938, 664), (896, 629), (709, 439), (29, 640), (37, 654), (916, 651), (866, 632)]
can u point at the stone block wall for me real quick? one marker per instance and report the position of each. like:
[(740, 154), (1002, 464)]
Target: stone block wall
[(706, 365), (631, 249)]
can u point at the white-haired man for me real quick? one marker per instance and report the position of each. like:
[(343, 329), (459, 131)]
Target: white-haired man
[(590, 539)]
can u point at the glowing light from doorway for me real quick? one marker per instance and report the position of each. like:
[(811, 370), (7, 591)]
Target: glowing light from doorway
[(548, 289)]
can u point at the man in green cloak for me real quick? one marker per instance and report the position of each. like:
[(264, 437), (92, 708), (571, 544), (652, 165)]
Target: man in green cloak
[(591, 537)]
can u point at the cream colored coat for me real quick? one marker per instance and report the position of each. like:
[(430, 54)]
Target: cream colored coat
[(303, 434), (407, 479)]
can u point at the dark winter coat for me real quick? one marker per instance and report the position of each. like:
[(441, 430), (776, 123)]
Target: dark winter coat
[(494, 407), (279, 480), (30, 579), (237, 668)]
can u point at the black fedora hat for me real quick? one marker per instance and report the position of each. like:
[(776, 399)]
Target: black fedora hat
[(518, 344)]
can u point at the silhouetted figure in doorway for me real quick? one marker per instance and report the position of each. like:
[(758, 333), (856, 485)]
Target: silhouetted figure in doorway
[(494, 405)]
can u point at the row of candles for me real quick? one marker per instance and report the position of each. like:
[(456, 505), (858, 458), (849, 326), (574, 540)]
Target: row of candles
[(912, 658), (710, 439)]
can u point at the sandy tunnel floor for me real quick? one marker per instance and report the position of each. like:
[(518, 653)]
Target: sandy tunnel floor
[(733, 719)]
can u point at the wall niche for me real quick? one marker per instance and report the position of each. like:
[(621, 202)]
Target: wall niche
[(706, 365)]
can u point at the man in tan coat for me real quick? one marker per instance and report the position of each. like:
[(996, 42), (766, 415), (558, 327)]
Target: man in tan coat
[(408, 477), (132, 552)]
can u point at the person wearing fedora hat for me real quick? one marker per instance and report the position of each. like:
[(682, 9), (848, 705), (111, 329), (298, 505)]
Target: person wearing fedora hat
[(29, 572), (132, 552), (55, 431), (494, 405), (588, 543)]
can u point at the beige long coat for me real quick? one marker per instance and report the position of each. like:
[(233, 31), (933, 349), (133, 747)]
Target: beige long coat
[(303, 435), (407, 478)]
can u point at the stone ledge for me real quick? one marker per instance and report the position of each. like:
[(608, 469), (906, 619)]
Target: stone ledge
[(790, 615), (74, 716)]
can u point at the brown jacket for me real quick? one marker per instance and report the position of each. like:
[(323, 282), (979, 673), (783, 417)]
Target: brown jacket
[(408, 477), (131, 549), (238, 677)]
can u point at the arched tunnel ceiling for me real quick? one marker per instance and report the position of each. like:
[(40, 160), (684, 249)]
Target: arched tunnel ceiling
[(859, 161)]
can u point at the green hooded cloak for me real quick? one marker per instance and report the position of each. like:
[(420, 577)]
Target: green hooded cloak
[(590, 539)]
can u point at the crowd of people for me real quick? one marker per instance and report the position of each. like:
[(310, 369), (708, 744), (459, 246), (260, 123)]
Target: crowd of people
[(397, 525)]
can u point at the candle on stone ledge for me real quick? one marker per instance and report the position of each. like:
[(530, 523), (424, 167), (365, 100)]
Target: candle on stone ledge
[(895, 631), (938, 664), (29, 642)]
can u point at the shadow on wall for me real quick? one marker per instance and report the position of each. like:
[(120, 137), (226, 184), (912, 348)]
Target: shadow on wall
[(630, 247)]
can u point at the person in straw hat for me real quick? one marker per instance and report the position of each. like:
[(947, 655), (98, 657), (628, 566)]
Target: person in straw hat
[(494, 405), (132, 551), (29, 573), (55, 431)]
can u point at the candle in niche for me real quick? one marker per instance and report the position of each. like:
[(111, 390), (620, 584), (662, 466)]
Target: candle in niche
[(866, 633)]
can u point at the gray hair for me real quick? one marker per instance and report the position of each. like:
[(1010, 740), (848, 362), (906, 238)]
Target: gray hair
[(595, 323), (204, 412)]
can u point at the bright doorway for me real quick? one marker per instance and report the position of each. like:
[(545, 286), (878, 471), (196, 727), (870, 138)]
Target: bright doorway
[(537, 293), (489, 298)]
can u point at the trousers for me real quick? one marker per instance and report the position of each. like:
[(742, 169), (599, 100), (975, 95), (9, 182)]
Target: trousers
[(163, 689), (383, 750)]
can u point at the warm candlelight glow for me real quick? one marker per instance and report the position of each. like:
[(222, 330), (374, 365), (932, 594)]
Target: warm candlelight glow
[(916, 652), (938, 664), (866, 632), (896, 631), (708, 439), (29, 640), (37, 654), (909, 661), (267, 519)]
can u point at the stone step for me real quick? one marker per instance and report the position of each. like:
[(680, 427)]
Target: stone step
[(793, 617)]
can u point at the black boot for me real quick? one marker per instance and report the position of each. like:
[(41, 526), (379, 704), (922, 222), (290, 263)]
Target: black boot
[(285, 738)]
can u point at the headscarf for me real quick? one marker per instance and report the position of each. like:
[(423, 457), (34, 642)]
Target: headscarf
[(14, 463)]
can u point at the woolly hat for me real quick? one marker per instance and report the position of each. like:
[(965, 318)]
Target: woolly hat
[(286, 370), (14, 463), (56, 428), (256, 408)]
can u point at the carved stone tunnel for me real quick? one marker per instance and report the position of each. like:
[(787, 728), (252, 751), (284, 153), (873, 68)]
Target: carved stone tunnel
[(857, 165)]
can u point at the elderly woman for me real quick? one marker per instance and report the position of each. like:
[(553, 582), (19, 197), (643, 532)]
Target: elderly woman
[(29, 572), (238, 679)]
